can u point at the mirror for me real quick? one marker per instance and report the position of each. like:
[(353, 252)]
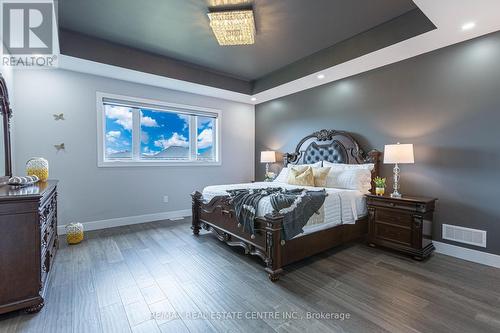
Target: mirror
[(6, 114)]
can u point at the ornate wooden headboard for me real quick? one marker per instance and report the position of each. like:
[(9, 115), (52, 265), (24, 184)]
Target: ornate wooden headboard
[(332, 146)]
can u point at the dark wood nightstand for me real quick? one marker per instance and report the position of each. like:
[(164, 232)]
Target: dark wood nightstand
[(398, 223)]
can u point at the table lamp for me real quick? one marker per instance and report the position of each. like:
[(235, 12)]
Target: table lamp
[(398, 154), (267, 157)]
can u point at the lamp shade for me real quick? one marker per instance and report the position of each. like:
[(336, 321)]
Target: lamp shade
[(399, 153), (268, 156)]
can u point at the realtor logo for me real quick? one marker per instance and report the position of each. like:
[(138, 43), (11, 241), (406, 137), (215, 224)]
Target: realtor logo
[(28, 33)]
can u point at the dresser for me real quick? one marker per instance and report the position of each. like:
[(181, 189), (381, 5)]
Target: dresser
[(402, 224), (28, 244)]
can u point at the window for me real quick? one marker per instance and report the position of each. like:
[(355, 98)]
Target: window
[(143, 132)]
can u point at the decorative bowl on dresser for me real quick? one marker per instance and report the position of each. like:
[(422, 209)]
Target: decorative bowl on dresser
[(28, 243), (398, 223)]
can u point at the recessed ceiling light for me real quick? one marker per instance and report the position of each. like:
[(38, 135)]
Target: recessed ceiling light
[(321, 76), (468, 26), (253, 99)]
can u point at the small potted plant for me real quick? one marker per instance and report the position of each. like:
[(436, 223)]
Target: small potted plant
[(379, 185)]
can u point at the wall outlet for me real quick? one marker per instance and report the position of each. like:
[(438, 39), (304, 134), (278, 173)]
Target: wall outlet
[(165, 198)]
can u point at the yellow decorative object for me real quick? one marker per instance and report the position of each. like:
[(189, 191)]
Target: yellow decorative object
[(74, 233), (38, 166), (379, 190)]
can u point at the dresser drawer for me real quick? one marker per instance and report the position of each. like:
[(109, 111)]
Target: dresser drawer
[(393, 233), (47, 207), (48, 231), (48, 259), (398, 218)]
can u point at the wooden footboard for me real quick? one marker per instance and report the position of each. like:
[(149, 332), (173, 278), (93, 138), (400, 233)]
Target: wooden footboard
[(218, 216)]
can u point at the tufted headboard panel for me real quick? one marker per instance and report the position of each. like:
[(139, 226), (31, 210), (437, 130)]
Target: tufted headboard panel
[(333, 152), (332, 146)]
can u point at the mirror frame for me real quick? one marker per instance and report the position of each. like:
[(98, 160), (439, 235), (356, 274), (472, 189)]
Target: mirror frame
[(6, 113)]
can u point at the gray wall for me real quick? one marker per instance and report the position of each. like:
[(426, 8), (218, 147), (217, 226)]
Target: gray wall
[(89, 193), (447, 103)]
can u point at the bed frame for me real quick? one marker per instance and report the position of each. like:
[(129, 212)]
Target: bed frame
[(218, 215)]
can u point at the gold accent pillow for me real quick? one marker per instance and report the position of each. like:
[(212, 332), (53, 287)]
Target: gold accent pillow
[(320, 175), (301, 175)]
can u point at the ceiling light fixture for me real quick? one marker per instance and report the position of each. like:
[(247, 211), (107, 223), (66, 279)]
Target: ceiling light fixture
[(253, 99), (468, 26), (236, 27), (320, 76)]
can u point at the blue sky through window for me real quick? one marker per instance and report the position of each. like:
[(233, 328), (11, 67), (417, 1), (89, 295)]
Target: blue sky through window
[(163, 135), (205, 134), (118, 132)]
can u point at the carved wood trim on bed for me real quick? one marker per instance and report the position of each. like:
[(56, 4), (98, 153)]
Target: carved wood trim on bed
[(218, 214)]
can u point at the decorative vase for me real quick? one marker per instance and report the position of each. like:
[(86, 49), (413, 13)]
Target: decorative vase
[(74, 233), (379, 190), (38, 166)]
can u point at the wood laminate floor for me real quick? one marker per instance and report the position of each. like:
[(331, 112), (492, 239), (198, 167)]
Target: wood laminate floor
[(157, 277)]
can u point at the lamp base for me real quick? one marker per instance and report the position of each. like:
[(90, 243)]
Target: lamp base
[(395, 193)]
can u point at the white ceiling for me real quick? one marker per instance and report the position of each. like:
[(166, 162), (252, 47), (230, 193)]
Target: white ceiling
[(448, 15)]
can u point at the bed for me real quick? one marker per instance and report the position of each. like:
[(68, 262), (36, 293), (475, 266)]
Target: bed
[(342, 219)]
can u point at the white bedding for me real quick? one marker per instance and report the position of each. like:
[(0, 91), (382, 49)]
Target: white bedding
[(341, 206)]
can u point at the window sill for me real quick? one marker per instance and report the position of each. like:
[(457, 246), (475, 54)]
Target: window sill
[(118, 164)]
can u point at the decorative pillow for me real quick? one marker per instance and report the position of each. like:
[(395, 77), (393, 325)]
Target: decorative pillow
[(301, 175), (283, 175), (351, 179), (340, 166), (320, 175)]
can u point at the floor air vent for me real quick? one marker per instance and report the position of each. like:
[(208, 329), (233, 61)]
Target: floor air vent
[(464, 235)]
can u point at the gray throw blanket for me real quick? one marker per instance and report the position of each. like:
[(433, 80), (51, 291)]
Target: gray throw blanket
[(296, 206)]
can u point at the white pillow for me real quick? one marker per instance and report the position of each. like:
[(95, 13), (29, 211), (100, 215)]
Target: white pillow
[(351, 179), (340, 166), (283, 175)]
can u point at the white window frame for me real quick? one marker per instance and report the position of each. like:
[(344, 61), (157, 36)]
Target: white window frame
[(190, 109)]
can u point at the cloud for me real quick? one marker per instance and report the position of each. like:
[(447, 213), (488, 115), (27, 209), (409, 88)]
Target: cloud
[(144, 137), (111, 151), (185, 118), (148, 122), (122, 116), (146, 151), (205, 122), (205, 138), (175, 140), (113, 136)]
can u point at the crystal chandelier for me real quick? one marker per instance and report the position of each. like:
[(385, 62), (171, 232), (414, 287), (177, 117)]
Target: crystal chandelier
[(235, 27)]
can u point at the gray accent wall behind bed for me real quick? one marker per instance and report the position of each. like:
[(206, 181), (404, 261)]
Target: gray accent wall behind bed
[(447, 103)]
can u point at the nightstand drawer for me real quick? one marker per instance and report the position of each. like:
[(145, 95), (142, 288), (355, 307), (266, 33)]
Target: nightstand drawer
[(398, 218), (393, 234), (387, 203)]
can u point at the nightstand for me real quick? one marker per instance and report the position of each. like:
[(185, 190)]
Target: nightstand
[(403, 224)]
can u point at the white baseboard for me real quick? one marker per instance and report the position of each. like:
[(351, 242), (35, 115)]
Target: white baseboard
[(468, 254), (121, 221)]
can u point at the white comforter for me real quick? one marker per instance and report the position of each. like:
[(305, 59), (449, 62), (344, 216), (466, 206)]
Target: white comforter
[(340, 207)]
